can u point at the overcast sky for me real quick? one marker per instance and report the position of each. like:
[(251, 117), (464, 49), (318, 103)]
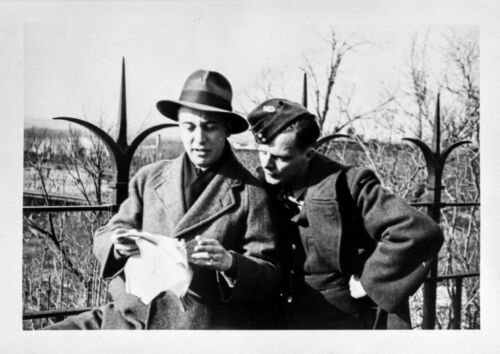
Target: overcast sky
[(72, 68)]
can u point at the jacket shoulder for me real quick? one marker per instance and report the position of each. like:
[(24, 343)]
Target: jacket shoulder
[(359, 177), (237, 173), (328, 176), (151, 171), (250, 179), (323, 172)]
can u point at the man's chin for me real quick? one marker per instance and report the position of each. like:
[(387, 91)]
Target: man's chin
[(200, 163), (271, 180)]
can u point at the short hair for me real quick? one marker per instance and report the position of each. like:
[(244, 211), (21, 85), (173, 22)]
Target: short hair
[(307, 131)]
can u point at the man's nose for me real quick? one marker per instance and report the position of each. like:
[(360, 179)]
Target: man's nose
[(199, 135), (267, 161)]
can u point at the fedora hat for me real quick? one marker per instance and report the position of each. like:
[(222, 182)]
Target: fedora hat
[(206, 91)]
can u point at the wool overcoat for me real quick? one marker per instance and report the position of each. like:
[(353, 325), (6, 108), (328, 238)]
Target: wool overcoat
[(349, 224), (234, 209)]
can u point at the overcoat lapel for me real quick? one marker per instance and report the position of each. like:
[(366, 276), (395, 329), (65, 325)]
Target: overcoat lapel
[(217, 198), (169, 190)]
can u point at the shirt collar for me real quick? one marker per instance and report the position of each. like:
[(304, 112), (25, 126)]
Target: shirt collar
[(298, 194)]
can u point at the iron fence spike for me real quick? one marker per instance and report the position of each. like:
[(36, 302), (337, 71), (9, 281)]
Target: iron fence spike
[(331, 137)]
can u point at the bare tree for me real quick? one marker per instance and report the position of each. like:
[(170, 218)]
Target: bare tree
[(324, 77), (67, 267), (335, 111), (458, 84), (42, 145), (269, 83), (462, 82), (86, 165), (349, 116), (414, 107)]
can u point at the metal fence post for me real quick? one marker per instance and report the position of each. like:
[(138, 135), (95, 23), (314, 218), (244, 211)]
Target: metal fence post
[(119, 150), (435, 162), (304, 90), (457, 304)]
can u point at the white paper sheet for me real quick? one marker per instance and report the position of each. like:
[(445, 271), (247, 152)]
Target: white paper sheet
[(161, 265)]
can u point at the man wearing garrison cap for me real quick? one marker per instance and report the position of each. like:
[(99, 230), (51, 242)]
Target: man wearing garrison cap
[(204, 199), (352, 253)]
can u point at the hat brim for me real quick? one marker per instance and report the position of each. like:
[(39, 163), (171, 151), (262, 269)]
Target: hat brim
[(170, 109)]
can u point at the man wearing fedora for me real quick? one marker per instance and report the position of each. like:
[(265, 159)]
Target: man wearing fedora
[(352, 252), (206, 198)]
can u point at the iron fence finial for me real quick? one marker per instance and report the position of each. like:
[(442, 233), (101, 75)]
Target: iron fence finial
[(122, 111)]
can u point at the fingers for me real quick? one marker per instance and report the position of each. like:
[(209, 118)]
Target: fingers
[(206, 256), (207, 241), (205, 260), (126, 254), (127, 247), (126, 241), (207, 248), (126, 250), (210, 253), (210, 246), (124, 237)]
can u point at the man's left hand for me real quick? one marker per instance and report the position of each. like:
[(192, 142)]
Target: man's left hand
[(211, 254), (356, 288)]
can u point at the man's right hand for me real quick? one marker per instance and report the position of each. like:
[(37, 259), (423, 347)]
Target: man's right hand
[(125, 246)]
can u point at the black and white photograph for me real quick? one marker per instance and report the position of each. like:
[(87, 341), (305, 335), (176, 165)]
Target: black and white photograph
[(265, 177)]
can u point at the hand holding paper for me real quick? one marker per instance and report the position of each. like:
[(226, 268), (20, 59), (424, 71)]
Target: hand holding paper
[(124, 243), (160, 265)]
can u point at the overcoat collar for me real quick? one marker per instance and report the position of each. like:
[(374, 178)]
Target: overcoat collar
[(320, 167), (216, 199)]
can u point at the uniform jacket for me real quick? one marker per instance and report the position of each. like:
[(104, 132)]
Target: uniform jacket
[(234, 209), (350, 225)]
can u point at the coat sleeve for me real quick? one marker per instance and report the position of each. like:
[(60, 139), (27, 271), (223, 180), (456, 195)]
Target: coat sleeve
[(257, 271), (129, 216), (407, 241)]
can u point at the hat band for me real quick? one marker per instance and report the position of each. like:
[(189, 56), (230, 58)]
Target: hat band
[(206, 98)]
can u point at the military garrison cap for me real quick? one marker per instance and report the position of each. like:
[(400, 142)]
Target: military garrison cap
[(270, 117)]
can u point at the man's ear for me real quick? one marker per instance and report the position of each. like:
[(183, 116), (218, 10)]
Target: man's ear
[(310, 151)]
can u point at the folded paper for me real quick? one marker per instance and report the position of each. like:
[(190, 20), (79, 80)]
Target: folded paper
[(161, 265)]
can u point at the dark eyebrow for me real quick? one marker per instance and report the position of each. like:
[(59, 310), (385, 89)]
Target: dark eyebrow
[(285, 156), (281, 156), (211, 121)]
